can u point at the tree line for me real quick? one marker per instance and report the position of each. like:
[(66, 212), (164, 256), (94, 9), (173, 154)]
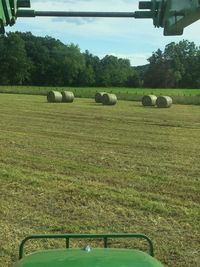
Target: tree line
[(44, 61)]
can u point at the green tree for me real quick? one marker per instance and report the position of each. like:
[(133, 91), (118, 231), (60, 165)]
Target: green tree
[(115, 72), (55, 64), (181, 58), (177, 66), (40, 51), (159, 73), (88, 76), (15, 64)]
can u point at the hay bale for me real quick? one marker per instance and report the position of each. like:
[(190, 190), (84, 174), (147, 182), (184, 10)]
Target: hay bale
[(67, 97), (164, 102), (54, 97), (98, 97), (109, 99), (149, 100)]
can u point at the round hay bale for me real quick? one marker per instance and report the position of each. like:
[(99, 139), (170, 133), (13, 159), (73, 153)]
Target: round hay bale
[(67, 96), (164, 102), (149, 100), (98, 97), (54, 97), (109, 99)]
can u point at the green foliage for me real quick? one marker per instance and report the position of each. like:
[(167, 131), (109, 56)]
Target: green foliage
[(177, 66), (45, 61), (116, 72), (54, 63), (15, 65), (91, 168)]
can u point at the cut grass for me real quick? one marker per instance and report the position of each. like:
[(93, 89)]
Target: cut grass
[(180, 96), (88, 168)]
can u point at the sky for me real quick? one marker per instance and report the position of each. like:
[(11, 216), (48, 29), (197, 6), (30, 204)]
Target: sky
[(126, 38)]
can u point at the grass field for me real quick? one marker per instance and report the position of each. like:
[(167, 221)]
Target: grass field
[(180, 96), (88, 168)]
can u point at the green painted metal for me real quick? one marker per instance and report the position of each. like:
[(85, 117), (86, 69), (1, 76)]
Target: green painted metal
[(180, 14), (89, 258), (172, 15), (7, 11), (13, 4), (23, 3), (67, 237), (2, 19)]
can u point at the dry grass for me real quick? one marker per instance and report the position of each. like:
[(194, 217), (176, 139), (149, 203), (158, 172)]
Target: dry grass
[(88, 168)]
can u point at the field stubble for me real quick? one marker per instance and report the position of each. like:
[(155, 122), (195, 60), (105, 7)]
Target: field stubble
[(88, 168)]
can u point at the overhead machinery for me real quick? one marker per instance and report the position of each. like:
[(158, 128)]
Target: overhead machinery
[(171, 15)]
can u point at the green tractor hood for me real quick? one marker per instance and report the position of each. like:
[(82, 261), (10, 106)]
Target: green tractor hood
[(88, 256), (93, 258)]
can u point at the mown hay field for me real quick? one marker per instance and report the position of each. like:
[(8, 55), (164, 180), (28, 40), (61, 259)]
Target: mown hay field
[(89, 168), (179, 96)]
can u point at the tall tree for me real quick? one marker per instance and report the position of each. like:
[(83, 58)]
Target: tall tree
[(15, 64), (177, 66), (158, 74), (115, 72)]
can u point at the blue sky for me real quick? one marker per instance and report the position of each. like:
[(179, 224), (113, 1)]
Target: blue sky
[(126, 38)]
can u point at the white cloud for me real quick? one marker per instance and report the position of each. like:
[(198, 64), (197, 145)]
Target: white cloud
[(135, 59)]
